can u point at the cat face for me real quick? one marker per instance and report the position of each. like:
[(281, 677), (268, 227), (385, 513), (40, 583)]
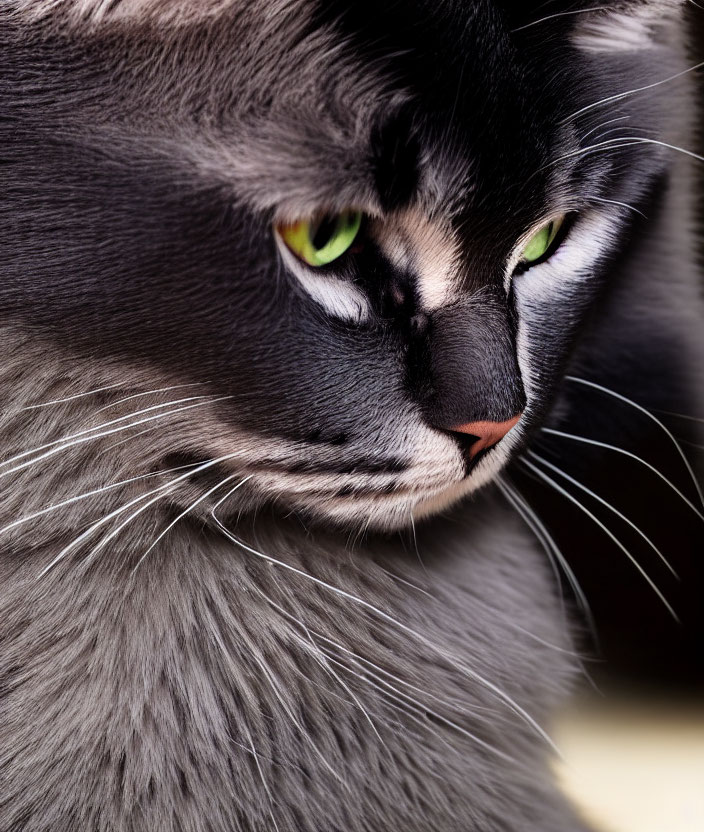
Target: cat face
[(174, 175)]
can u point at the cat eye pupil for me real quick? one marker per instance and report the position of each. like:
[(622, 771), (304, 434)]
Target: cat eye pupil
[(321, 234), (323, 240)]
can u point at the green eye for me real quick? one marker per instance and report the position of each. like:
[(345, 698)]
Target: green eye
[(324, 239), (540, 243)]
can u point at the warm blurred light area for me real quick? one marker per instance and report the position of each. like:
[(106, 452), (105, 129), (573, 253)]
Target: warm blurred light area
[(635, 763)]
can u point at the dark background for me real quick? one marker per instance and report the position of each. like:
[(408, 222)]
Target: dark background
[(638, 641)]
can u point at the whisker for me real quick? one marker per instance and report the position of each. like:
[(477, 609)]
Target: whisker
[(401, 580), (608, 505), (113, 445), (381, 670), (692, 444), (263, 779), (597, 147), (552, 550), (415, 541), (159, 491), (219, 642), (261, 663), (645, 140), (621, 95), (147, 393), (83, 432), (620, 204), (590, 150), (560, 14), (71, 398), (187, 511), (546, 541), (681, 416), (320, 657), (603, 124), (624, 452), (467, 671), (82, 439), (607, 531), (87, 494), (420, 710)]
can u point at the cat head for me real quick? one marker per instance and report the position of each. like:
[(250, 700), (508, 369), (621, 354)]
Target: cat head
[(367, 234)]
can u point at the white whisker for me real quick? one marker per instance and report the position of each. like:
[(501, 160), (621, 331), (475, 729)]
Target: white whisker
[(317, 654), (71, 398), (620, 204), (263, 779), (83, 432), (381, 670), (621, 95), (418, 712), (219, 642), (147, 393), (681, 416), (622, 451), (113, 445), (401, 580), (261, 663), (608, 505), (188, 510), (415, 542), (552, 550), (543, 476), (158, 491), (598, 147), (603, 124), (90, 438), (645, 140), (87, 494), (560, 14), (467, 671)]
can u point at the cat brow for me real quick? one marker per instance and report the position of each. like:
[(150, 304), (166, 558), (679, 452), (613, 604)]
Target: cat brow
[(396, 159)]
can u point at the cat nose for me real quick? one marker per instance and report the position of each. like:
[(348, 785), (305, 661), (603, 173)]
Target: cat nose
[(486, 433)]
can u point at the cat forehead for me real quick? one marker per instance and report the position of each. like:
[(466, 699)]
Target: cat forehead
[(304, 105), (295, 105)]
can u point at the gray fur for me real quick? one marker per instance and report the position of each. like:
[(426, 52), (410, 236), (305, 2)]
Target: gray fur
[(262, 661)]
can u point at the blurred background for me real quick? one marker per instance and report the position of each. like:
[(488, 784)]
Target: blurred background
[(633, 739)]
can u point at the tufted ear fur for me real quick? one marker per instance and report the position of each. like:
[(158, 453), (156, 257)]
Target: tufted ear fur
[(630, 26), (97, 11)]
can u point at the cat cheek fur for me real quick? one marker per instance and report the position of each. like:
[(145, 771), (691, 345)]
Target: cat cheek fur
[(202, 628)]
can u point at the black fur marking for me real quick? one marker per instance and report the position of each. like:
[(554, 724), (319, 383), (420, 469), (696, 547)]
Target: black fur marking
[(395, 151)]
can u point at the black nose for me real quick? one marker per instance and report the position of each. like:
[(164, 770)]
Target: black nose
[(475, 383)]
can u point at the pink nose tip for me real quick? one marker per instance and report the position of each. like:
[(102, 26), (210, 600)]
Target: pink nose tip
[(487, 433)]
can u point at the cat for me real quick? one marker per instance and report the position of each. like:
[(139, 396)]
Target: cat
[(285, 286)]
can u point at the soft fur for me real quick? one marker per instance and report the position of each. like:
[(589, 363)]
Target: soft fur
[(268, 642)]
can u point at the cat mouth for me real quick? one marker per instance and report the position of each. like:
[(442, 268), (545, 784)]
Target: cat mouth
[(385, 495), (383, 490)]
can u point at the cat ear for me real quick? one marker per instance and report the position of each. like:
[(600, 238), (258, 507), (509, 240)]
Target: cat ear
[(630, 26)]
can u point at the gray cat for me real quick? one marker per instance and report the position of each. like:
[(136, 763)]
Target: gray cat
[(281, 283)]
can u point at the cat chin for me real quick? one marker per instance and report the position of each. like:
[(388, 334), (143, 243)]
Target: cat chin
[(401, 509), (394, 512)]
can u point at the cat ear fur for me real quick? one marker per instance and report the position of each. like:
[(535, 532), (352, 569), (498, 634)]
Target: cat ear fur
[(98, 11), (630, 26)]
